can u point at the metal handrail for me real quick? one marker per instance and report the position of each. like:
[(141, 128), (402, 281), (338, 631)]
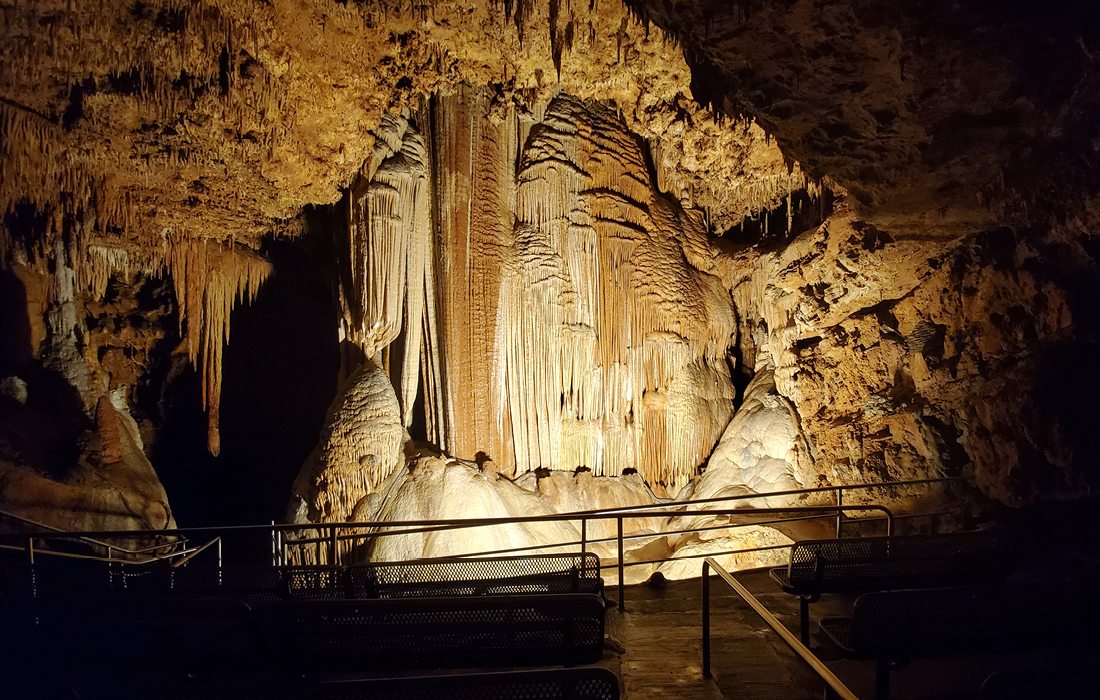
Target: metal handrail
[(823, 671), (89, 540), (188, 556), (430, 525), (416, 527), (773, 494), (573, 515), (602, 540), (185, 554), (333, 536), (425, 526)]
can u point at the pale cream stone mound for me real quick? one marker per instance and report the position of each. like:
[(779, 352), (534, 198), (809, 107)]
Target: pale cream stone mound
[(361, 445), (761, 450)]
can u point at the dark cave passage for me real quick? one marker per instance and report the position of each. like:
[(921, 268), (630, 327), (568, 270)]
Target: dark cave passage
[(281, 370)]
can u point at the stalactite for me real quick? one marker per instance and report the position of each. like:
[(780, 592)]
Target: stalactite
[(390, 249), (210, 278), (610, 307)]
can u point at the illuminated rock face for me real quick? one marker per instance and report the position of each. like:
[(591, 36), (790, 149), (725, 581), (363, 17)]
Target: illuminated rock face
[(113, 486), (564, 237), (593, 331), (615, 327)]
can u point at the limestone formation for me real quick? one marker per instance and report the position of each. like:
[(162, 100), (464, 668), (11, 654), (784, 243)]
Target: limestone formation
[(438, 488), (563, 235), (113, 487), (360, 448), (761, 450), (615, 325)]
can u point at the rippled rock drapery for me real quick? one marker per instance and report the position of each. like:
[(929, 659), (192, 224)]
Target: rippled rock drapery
[(615, 325), (596, 319)]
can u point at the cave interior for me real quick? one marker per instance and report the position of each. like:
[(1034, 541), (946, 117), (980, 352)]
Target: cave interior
[(342, 261)]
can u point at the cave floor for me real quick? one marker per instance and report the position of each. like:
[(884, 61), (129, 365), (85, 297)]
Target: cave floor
[(659, 644), (656, 648)]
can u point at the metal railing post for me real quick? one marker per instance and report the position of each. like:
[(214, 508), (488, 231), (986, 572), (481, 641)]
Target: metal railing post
[(274, 545), (584, 535), (30, 559), (706, 619), (335, 558), (622, 587), (839, 512), (219, 548)]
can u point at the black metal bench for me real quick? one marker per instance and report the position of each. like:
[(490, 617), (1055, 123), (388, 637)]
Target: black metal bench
[(469, 631), (211, 635), (863, 564), (1068, 679), (544, 573), (550, 573), (893, 627), (587, 683)]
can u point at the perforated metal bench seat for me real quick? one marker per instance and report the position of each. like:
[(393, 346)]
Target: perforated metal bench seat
[(859, 564), (551, 573), (473, 631), (186, 634), (588, 683), (893, 626), (862, 564)]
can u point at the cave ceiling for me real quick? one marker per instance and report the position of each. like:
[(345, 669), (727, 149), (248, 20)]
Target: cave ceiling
[(226, 118), (565, 142), (947, 116)]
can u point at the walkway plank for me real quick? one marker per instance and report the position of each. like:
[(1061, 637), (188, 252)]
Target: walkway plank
[(661, 643)]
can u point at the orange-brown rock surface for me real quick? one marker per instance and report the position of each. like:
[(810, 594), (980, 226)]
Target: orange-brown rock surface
[(566, 231)]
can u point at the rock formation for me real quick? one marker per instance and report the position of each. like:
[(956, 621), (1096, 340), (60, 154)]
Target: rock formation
[(689, 245), (359, 450), (113, 487)]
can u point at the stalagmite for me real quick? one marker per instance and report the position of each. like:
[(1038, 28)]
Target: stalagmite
[(360, 448)]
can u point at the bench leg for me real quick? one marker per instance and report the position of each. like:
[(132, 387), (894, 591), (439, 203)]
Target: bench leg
[(804, 619), (882, 679)]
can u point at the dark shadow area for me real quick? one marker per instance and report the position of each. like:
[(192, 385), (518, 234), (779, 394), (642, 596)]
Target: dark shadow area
[(15, 341), (279, 376), (772, 228)]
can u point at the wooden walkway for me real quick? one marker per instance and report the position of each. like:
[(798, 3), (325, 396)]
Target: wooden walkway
[(656, 646), (656, 649)]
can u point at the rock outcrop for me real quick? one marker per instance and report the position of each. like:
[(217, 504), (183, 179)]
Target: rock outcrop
[(361, 446), (113, 486)]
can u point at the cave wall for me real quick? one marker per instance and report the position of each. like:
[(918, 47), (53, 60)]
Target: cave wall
[(572, 225), (533, 294)]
